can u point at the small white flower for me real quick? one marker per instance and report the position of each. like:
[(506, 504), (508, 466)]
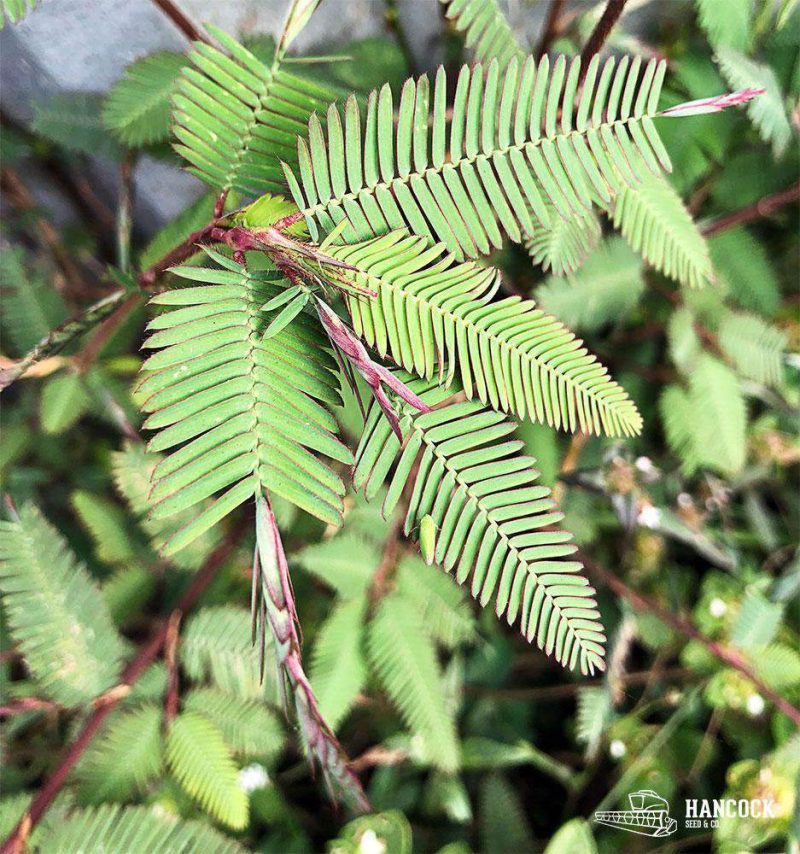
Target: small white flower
[(644, 464), (253, 777), (755, 705), (617, 749), (371, 843), (649, 516), (717, 607)]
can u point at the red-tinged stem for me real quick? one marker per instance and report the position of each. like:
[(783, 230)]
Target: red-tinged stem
[(15, 842), (600, 33), (684, 626), (171, 660), (27, 704), (552, 27), (182, 21), (759, 210), (177, 255)]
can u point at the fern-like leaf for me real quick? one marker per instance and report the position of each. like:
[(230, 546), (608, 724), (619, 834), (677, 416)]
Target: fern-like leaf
[(604, 290), (338, 670), (405, 660), (767, 112), (55, 613), (502, 819), (137, 108), (594, 712), (445, 611), (514, 139), (108, 527), (564, 245), (345, 562), (201, 762), (217, 645), (73, 120), (31, 306), (235, 117), (757, 622), (133, 469), (706, 424), (486, 30), (655, 222), (743, 266), (754, 347), (493, 522), (239, 412), (247, 725), (111, 829), (64, 401), (431, 314), (124, 758), (727, 23)]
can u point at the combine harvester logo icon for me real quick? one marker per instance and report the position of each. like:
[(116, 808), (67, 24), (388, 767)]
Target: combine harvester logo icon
[(648, 815)]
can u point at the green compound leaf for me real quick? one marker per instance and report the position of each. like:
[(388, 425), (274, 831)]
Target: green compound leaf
[(137, 109), (495, 523), (55, 613)]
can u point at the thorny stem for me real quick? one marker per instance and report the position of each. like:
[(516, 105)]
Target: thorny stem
[(15, 842), (278, 607), (684, 626), (600, 33)]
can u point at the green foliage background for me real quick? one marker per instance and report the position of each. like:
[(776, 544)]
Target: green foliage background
[(466, 737)]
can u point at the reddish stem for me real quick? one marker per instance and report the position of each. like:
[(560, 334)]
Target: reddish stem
[(182, 21), (683, 625), (552, 27), (600, 33), (15, 842), (177, 255), (760, 209)]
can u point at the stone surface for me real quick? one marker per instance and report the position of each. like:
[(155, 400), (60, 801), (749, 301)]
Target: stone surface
[(84, 46)]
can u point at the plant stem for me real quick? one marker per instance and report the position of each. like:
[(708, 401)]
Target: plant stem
[(171, 659), (552, 27), (175, 256), (106, 329), (758, 210), (600, 33), (124, 212), (182, 21), (684, 626), (20, 197), (395, 26), (62, 335), (15, 842)]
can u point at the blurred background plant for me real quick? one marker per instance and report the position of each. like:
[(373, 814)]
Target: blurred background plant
[(134, 716)]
